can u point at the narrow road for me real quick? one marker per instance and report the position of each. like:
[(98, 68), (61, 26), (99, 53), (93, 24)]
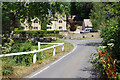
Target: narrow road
[(75, 64)]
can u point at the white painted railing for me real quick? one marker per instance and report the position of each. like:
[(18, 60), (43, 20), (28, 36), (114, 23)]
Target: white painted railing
[(35, 51)]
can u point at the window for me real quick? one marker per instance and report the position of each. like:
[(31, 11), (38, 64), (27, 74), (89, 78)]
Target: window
[(22, 28), (49, 24), (35, 21), (87, 29), (49, 27), (60, 27), (35, 27), (60, 21)]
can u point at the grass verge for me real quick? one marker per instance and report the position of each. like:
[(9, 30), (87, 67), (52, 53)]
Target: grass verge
[(22, 71)]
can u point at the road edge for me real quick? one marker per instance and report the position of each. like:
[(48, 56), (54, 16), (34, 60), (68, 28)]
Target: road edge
[(49, 65)]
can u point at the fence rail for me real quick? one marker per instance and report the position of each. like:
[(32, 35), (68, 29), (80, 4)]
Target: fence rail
[(35, 51)]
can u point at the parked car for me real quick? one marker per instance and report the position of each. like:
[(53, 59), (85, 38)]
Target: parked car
[(87, 30), (93, 30)]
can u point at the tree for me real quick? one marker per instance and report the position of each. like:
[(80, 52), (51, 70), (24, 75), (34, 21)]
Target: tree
[(81, 9), (11, 15), (73, 10), (97, 15), (106, 17), (14, 11)]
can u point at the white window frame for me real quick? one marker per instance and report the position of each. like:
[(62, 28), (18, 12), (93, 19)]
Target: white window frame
[(36, 28), (60, 27), (60, 21), (49, 27)]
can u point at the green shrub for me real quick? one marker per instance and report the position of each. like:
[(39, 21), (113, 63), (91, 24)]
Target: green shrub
[(59, 36), (15, 29), (52, 35), (7, 68), (7, 45), (75, 27), (36, 32), (22, 59)]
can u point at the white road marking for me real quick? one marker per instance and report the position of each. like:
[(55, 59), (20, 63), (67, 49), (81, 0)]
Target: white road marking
[(53, 63), (40, 71)]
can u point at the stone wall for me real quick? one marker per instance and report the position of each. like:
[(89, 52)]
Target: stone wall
[(78, 36)]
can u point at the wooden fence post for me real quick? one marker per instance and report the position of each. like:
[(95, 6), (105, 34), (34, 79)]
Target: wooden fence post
[(34, 57), (54, 50), (63, 47), (38, 45)]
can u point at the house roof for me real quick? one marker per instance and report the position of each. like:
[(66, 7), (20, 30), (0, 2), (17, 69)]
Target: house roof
[(87, 22), (57, 16)]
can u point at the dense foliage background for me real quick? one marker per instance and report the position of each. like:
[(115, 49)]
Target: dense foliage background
[(106, 17)]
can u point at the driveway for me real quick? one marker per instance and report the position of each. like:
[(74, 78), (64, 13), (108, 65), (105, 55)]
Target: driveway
[(76, 64)]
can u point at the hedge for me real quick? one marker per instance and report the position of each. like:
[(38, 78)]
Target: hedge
[(23, 35), (42, 32)]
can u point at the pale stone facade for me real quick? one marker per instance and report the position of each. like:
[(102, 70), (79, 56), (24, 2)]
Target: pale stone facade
[(59, 24), (35, 25), (86, 24)]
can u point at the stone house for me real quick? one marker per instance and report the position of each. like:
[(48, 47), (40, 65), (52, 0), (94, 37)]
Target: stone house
[(57, 24), (35, 25), (86, 24)]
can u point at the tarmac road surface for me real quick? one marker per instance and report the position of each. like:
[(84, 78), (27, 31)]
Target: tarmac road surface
[(75, 64)]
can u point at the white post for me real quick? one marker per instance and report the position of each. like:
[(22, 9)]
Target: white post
[(63, 47), (34, 57), (38, 45), (54, 50)]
